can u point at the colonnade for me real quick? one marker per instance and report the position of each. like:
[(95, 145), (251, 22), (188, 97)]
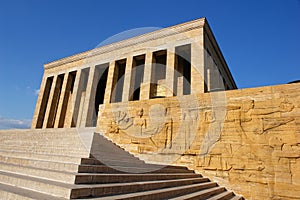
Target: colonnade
[(72, 98)]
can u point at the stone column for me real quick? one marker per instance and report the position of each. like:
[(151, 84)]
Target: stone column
[(197, 67), (75, 98), (39, 102), (170, 71), (127, 79), (208, 82), (87, 97), (145, 86), (61, 99), (109, 82), (47, 113)]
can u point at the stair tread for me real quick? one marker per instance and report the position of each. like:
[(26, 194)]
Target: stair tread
[(195, 194), (4, 152), (117, 169), (37, 179), (36, 160), (137, 174), (148, 168), (221, 195), (36, 168), (156, 191), (125, 178), (97, 174), (237, 197), (81, 186), (27, 193)]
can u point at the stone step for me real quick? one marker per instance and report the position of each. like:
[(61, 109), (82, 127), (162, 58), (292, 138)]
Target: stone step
[(35, 138), (47, 157), (84, 178), (52, 152), (43, 146), (111, 161), (124, 169), (99, 153), (164, 193), (8, 192), (87, 190), (51, 131), (113, 156), (203, 194), (66, 177), (223, 196), (69, 177), (45, 186), (38, 140), (98, 190), (237, 197), (44, 149), (60, 166), (127, 163)]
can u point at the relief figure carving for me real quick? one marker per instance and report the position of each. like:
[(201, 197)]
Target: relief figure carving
[(257, 121), (190, 120), (168, 134)]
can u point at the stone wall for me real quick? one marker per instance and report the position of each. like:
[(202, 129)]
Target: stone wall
[(247, 140)]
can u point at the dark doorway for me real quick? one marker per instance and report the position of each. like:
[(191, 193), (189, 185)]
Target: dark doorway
[(137, 76), (118, 81), (100, 92), (158, 71), (183, 68)]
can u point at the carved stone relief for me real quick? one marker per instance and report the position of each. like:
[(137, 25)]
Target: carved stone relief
[(257, 120)]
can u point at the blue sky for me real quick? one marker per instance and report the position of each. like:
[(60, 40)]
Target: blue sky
[(259, 39)]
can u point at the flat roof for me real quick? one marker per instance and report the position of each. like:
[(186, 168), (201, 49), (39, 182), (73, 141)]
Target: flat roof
[(179, 28)]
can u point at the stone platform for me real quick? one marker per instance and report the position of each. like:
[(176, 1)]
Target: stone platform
[(58, 164)]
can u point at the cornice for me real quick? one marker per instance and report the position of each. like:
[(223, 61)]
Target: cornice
[(169, 31)]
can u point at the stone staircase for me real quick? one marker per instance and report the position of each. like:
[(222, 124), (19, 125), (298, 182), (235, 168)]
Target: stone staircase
[(60, 164)]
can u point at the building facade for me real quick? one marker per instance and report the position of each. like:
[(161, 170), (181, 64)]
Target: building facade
[(179, 60)]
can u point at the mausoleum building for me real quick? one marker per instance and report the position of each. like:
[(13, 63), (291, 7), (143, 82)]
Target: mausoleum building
[(179, 60)]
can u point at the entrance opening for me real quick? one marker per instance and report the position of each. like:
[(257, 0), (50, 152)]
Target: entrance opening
[(44, 102), (80, 97), (55, 101), (118, 81), (100, 92), (137, 76), (66, 106), (158, 74), (182, 76)]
